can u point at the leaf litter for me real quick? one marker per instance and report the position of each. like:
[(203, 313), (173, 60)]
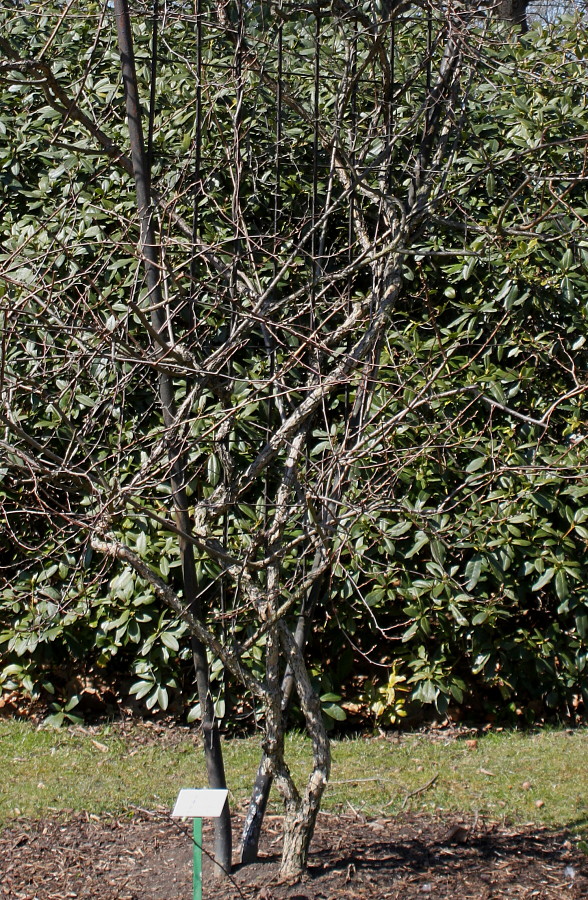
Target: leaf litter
[(146, 856)]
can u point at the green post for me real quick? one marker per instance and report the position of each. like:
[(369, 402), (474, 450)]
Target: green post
[(197, 859), (198, 804)]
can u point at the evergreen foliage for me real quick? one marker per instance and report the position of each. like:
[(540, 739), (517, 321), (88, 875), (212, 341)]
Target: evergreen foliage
[(439, 503)]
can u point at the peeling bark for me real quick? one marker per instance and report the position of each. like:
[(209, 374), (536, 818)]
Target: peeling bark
[(301, 815), (264, 780)]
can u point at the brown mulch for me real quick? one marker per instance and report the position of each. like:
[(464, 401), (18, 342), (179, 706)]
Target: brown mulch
[(147, 857)]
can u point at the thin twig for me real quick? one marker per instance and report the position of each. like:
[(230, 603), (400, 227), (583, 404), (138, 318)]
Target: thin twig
[(356, 780), (418, 791)]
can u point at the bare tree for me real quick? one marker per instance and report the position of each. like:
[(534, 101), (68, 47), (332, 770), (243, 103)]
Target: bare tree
[(209, 346), (306, 359)]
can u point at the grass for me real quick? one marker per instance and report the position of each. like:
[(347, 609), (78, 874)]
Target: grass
[(540, 777)]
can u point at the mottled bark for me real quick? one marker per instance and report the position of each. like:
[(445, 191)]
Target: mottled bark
[(302, 812), (264, 780)]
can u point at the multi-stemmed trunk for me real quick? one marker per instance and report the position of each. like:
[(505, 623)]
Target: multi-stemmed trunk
[(300, 821), (300, 811), (264, 779)]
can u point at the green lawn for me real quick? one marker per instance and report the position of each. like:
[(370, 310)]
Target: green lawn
[(540, 777)]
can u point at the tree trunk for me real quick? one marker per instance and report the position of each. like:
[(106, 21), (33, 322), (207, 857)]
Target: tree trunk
[(300, 822), (255, 813), (264, 780), (301, 814), (149, 251), (515, 12), (298, 831)]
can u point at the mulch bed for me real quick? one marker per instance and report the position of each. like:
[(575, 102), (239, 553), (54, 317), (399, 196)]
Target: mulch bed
[(148, 857)]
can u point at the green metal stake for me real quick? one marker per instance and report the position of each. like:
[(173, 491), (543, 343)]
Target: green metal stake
[(198, 804), (197, 833)]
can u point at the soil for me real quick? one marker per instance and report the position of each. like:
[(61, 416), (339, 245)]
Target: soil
[(148, 856)]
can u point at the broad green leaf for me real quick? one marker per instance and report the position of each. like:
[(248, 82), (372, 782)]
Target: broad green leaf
[(544, 579)]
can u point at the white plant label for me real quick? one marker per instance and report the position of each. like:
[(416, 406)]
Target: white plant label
[(196, 803)]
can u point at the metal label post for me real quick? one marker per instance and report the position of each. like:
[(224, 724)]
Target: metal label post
[(196, 804)]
